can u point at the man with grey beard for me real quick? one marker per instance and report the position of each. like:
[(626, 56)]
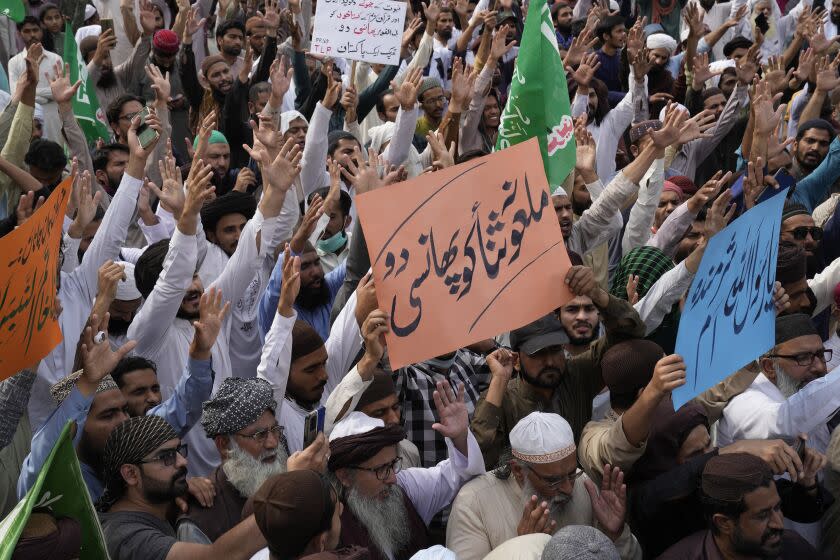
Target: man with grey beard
[(792, 394), (538, 488), (388, 509), (240, 420)]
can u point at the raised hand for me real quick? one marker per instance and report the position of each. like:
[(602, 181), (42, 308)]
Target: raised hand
[(697, 127), (775, 74), (454, 420), (285, 168), (753, 182), (589, 64), (109, 276), (501, 362), (313, 458), (636, 38), (463, 83), (580, 46), (307, 224), (98, 360), (211, 315), (333, 91), (290, 288), (535, 519), (441, 156), (641, 64), (194, 23), (431, 10), (585, 147), (748, 65), (499, 47), (171, 195), (199, 189), (271, 17), (27, 206), (609, 506), (373, 330), (365, 176), (134, 146), (204, 130), (702, 72), (671, 127), (719, 214), (147, 17), (633, 289), (707, 192), (827, 78), (406, 92), (668, 374), (281, 80), (87, 206), (781, 299), (62, 90), (244, 179), (159, 83), (349, 101), (806, 65)]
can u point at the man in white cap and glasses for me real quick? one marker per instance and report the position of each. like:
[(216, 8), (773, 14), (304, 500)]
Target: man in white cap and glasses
[(539, 490)]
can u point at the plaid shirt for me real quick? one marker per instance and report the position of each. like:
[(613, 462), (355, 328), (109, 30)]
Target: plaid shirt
[(415, 386)]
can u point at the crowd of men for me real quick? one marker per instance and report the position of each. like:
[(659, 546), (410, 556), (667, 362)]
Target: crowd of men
[(215, 291)]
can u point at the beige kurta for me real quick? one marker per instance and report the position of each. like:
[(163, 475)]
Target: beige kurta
[(604, 441), (487, 512)]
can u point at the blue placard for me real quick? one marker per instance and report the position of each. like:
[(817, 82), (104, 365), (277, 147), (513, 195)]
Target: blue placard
[(729, 316)]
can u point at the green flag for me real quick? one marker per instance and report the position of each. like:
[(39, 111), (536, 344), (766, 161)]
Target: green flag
[(538, 104), (13, 9), (85, 105), (61, 488)]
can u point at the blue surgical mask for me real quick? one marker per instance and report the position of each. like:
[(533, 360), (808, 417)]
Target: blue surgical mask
[(334, 243)]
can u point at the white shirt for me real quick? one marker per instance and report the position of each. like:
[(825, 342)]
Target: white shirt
[(165, 339), (43, 93), (762, 412), (342, 346), (78, 288)]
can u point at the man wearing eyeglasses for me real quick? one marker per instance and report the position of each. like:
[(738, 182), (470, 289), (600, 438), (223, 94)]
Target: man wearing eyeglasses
[(792, 394), (145, 470), (538, 489), (240, 420), (388, 509)]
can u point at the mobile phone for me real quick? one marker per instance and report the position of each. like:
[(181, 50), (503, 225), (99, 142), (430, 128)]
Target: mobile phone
[(145, 134), (312, 425), (106, 24), (761, 22)]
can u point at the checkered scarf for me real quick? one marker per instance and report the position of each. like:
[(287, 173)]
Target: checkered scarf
[(237, 404), (61, 390), (127, 445), (648, 263)]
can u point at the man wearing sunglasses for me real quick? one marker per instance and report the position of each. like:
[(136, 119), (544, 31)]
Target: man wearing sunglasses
[(792, 394), (537, 489), (799, 227), (145, 470)]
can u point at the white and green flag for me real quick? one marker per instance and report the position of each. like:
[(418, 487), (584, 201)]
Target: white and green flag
[(86, 108)]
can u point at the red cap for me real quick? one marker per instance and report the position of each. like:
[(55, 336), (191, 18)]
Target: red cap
[(166, 41)]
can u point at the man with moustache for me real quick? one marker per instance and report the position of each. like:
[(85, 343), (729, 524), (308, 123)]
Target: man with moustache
[(563, 25), (743, 511), (547, 380), (241, 422), (538, 488), (145, 468), (126, 302), (793, 394), (799, 227), (813, 139), (582, 323)]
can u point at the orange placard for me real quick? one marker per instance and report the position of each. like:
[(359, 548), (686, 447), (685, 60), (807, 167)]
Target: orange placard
[(466, 253), (28, 289)]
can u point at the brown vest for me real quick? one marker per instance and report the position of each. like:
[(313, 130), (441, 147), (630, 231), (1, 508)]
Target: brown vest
[(354, 533), (225, 513)]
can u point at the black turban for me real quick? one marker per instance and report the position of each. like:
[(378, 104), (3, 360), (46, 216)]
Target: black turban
[(149, 266), (305, 340), (234, 202), (381, 387), (350, 451)]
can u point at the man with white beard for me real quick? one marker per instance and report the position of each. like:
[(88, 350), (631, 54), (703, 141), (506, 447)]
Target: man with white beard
[(388, 509), (240, 420), (542, 477), (791, 395)]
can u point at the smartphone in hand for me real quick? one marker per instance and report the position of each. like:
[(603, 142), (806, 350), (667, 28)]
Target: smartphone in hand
[(313, 424)]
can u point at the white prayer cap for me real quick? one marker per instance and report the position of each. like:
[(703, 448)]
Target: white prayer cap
[(681, 107), (614, 7), (90, 11), (87, 31), (559, 191), (662, 41), (354, 424), (526, 547), (542, 437), (286, 119), (127, 288), (436, 552)]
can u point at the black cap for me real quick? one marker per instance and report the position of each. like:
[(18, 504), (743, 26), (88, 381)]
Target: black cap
[(542, 333), (793, 326)]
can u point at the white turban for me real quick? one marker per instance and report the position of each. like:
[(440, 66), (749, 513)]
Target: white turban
[(354, 424), (662, 41), (542, 437), (127, 288), (286, 119)]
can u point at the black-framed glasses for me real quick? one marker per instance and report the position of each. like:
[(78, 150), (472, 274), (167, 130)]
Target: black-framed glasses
[(168, 456), (801, 232), (555, 482), (262, 435), (382, 472), (807, 358)]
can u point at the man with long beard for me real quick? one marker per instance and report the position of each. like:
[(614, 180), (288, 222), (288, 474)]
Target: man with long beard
[(388, 509), (542, 477), (240, 420), (582, 323), (547, 380), (792, 394)]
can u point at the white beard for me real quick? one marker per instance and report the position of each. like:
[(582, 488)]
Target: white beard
[(556, 504), (786, 384), (247, 473), (385, 519)]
